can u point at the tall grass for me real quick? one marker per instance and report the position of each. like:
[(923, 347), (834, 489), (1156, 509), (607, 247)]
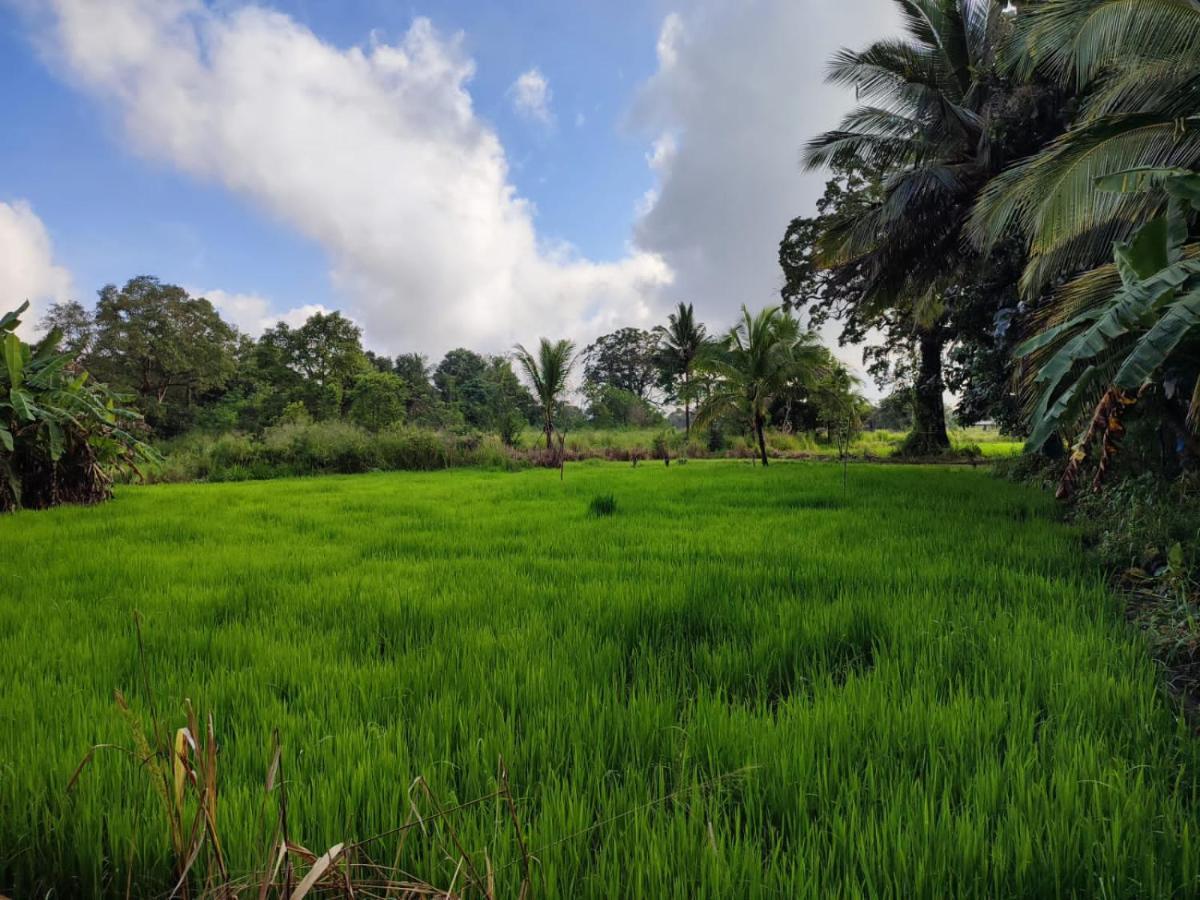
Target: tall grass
[(747, 683), (879, 444)]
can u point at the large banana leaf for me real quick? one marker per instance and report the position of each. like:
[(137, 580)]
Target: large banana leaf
[(1157, 344), (10, 320), (60, 435), (1128, 312), (1051, 416)]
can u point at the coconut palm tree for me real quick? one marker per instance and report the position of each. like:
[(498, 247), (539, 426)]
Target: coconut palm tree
[(680, 342), (1100, 339), (1136, 65), (758, 360), (925, 125), (548, 373)]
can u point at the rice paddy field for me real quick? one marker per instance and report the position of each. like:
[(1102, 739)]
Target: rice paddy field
[(744, 682)]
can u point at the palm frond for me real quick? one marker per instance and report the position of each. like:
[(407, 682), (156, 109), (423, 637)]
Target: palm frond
[(1052, 197), (1077, 40)]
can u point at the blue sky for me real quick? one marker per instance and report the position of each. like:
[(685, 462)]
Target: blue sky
[(375, 156)]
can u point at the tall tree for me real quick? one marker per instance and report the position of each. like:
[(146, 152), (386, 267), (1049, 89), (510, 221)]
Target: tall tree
[(937, 124), (156, 340), (548, 373), (74, 323), (327, 348), (460, 382), (325, 354), (761, 357), (413, 370), (376, 400), (624, 360), (509, 403), (1136, 66), (680, 343)]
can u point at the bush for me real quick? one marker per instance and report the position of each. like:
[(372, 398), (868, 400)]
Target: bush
[(419, 449), (295, 413), (327, 447), (321, 447)]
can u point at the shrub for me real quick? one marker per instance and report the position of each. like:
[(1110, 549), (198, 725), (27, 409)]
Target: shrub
[(400, 447), (295, 413)]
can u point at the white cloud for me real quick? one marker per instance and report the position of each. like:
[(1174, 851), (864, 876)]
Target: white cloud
[(252, 313), (27, 267), (738, 92), (669, 38), (531, 96), (374, 152), (662, 153)]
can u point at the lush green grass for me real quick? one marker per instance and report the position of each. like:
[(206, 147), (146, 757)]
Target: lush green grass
[(924, 691)]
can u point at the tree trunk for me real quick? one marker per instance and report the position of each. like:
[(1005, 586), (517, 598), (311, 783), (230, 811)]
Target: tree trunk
[(687, 406), (929, 435), (762, 441), (549, 429)]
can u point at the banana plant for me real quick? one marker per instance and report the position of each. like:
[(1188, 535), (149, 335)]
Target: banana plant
[(1100, 359), (62, 437)]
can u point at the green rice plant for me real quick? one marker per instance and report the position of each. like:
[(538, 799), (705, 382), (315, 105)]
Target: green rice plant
[(744, 685), (602, 505)]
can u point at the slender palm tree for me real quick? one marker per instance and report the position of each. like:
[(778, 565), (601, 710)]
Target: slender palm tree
[(548, 373), (680, 342), (928, 103), (1136, 66), (759, 359)]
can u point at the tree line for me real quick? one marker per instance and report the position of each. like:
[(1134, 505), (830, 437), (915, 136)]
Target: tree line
[(1012, 214), (184, 367)]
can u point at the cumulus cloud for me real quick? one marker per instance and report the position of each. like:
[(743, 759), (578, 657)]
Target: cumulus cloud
[(375, 152), (27, 267), (738, 91), (253, 313), (531, 96)]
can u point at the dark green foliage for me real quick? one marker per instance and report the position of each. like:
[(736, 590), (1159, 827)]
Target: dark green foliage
[(624, 360), (612, 407), (315, 363), (157, 342), (509, 405), (681, 343), (893, 412), (63, 437), (548, 372), (602, 505), (887, 252), (760, 359), (1088, 368), (317, 448), (1135, 66), (460, 380), (74, 323), (423, 405), (377, 400)]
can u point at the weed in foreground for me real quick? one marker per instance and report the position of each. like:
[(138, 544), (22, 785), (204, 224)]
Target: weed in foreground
[(602, 505)]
